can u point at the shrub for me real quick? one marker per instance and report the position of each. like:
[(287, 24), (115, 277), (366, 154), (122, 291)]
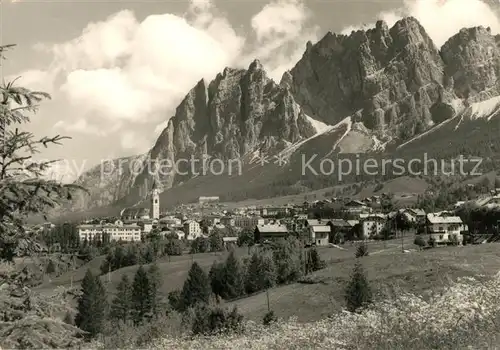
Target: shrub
[(209, 320), (174, 299), (269, 318), (51, 267), (361, 250), (420, 241), (173, 247), (432, 242), (358, 293), (315, 260)]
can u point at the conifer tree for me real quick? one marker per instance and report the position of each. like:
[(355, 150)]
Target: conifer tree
[(233, 278), (315, 260), (216, 276), (358, 293), (92, 305), (121, 306), (155, 285), (216, 242), (24, 188), (141, 296), (253, 276), (267, 272), (51, 268), (196, 289)]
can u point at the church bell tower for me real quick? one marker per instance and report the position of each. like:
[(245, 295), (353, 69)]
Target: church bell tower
[(155, 202)]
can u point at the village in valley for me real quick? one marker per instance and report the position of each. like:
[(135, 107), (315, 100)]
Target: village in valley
[(321, 223)]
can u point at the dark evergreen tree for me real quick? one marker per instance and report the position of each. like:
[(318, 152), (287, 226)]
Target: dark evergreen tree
[(216, 276), (155, 285), (107, 265), (287, 259), (267, 272), (51, 267), (315, 260), (269, 318), (121, 306), (253, 276), (216, 242), (174, 299), (173, 247), (233, 278), (92, 305), (246, 237), (131, 256), (196, 289), (361, 250), (141, 296), (358, 293)]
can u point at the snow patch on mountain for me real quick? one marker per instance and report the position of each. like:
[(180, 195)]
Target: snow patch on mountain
[(320, 127), (485, 109)]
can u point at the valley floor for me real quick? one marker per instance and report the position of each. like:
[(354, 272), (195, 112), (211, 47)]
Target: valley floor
[(446, 298), (389, 270)]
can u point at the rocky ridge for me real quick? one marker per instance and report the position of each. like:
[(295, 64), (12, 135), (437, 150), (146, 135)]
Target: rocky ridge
[(384, 87)]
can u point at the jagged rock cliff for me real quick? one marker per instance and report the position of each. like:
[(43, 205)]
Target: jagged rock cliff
[(388, 84), (472, 59), (239, 112)]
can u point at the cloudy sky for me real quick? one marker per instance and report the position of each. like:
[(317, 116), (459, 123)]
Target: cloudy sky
[(117, 69)]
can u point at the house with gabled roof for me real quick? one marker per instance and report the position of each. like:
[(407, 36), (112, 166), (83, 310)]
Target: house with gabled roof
[(441, 228), (264, 233)]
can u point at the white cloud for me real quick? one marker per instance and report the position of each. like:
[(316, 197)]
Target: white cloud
[(443, 18), (38, 80), (80, 126), (281, 18), (282, 32), (122, 73), (148, 67)]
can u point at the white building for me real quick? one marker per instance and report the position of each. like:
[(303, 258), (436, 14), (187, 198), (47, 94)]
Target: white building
[(320, 234), (442, 228), (116, 232), (372, 224), (170, 221), (192, 229)]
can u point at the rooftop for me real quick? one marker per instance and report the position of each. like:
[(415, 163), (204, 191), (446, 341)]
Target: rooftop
[(272, 228), (435, 219)]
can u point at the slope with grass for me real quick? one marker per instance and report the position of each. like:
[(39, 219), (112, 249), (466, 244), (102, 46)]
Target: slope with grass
[(387, 267), (444, 298)]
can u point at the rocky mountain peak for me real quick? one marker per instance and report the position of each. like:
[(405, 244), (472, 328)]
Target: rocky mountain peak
[(387, 84), (255, 66), (389, 78), (472, 58), (286, 80)]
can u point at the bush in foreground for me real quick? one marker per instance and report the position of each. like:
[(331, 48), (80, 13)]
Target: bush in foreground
[(464, 315), (361, 250), (358, 293)]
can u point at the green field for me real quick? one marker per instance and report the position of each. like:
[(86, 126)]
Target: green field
[(388, 268)]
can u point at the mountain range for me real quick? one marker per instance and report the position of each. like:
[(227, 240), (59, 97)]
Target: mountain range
[(384, 92)]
